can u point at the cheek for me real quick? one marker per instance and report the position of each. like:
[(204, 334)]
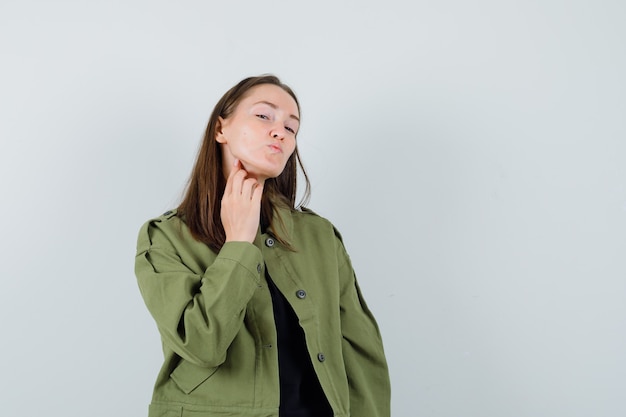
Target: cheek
[(239, 140), (292, 147)]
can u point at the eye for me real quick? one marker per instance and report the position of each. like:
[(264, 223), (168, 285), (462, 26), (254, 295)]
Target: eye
[(263, 116), (290, 129)]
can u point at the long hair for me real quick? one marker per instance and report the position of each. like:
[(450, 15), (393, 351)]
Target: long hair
[(201, 203)]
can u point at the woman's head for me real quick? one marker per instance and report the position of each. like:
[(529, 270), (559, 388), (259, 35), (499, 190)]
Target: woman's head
[(260, 131), (256, 121)]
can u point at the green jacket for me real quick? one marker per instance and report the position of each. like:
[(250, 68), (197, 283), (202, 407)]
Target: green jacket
[(214, 314)]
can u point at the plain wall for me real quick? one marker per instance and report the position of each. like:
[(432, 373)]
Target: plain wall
[(473, 155)]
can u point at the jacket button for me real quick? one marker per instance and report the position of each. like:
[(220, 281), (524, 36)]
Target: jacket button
[(301, 294), (258, 268), (321, 357), (269, 242)]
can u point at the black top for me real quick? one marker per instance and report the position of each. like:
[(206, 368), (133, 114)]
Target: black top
[(300, 392)]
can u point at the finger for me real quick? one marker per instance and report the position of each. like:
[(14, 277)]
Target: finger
[(237, 175), (257, 193), (229, 181), (247, 188), (237, 182)]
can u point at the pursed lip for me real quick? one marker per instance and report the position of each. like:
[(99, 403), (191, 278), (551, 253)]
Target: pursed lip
[(275, 147)]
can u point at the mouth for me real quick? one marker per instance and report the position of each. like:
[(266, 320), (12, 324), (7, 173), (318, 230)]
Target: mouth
[(276, 148)]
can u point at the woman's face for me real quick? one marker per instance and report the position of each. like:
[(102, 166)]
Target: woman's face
[(261, 132)]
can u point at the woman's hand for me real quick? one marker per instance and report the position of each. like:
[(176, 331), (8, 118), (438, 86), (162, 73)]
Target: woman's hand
[(241, 205)]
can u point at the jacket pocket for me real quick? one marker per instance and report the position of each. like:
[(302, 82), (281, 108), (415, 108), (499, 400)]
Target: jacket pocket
[(188, 376)]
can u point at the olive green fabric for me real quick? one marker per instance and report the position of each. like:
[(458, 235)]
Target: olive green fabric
[(214, 314)]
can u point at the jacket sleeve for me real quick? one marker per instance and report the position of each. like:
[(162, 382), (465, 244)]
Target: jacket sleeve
[(198, 314), (364, 357)]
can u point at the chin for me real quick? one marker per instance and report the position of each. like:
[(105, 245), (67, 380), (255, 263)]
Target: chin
[(266, 173)]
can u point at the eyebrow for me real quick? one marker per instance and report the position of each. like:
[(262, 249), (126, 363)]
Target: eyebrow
[(274, 106)]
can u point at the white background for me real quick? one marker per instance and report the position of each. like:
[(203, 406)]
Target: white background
[(471, 153)]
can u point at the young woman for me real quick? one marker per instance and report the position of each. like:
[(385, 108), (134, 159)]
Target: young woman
[(255, 300)]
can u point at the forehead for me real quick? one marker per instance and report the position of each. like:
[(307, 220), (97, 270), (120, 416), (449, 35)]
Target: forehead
[(273, 94)]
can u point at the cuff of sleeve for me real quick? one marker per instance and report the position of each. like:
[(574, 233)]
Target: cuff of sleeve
[(245, 254)]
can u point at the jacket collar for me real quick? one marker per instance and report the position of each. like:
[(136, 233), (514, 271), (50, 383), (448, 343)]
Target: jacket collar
[(282, 224)]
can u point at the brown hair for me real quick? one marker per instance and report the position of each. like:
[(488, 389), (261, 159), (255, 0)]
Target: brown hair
[(201, 204)]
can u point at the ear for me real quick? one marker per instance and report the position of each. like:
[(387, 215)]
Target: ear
[(219, 131)]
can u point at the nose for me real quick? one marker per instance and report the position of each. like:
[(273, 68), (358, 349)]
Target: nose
[(278, 132)]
